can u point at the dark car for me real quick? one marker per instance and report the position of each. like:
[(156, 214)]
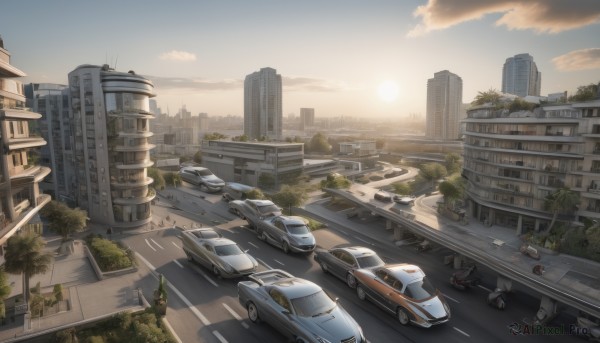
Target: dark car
[(341, 262), (384, 196), (254, 211)]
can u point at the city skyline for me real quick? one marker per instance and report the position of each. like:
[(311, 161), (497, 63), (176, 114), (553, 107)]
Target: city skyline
[(358, 59)]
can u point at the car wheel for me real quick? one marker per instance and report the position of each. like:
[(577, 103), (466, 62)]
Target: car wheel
[(253, 313), (285, 247), (300, 340), (360, 292), (261, 235), (324, 267), (402, 316), (190, 258), (216, 271), (350, 280), (203, 187)]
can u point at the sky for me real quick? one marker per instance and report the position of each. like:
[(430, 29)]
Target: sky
[(341, 57)]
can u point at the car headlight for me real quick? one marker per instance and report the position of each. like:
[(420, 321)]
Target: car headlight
[(228, 268), (321, 340)]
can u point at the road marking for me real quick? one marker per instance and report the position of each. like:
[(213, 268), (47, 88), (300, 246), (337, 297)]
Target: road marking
[(218, 335), (175, 244), (153, 241), (206, 277), (236, 316), (456, 301), (168, 325), (177, 263), (485, 288), (150, 245), (254, 245), (264, 263), (192, 308), (362, 240), (279, 262), (461, 331)]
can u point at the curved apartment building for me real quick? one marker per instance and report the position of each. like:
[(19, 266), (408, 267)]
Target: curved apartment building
[(512, 161), (111, 114), (20, 197)]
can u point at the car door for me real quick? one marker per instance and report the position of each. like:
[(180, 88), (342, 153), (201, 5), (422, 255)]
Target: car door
[(279, 233), (206, 254), (341, 263), (279, 312), (380, 288), (393, 295)]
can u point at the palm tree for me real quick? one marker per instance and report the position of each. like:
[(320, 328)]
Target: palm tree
[(4, 292), (563, 199), (491, 96), (24, 256)]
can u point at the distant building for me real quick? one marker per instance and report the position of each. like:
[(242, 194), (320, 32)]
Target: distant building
[(307, 118), (444, 106), (111, 114), (520, 76), (265, 165), (263, 105), (20, 196)]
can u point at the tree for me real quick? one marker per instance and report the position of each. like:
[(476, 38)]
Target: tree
[(402, 188), (562, 200), (198, 157), (453, 164), (432, 172), (450, 193), (290, 196), (266, 180), (335, 180), (24, 255), (156, 175), (64, 220), (215, 136), (491, 96), (255, 194), (318, 143), (585, 93), (172, 178), (242, 138), (4, 292)]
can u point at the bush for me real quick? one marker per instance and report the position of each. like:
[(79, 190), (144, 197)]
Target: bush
[(109, 255), (57, 291), (375, 178), (95, 339)]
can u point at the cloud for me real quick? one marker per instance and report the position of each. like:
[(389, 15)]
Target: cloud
[(194, 83), (542, 16), (176, 55), (311, 84), (578, 60)]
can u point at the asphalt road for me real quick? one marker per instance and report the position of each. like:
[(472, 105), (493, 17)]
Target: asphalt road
[(212, 313)]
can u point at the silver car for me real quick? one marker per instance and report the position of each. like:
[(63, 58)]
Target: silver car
[(297, 308), (287, 233), (342, 261), (221, 255), (202, 177), (253, 210)]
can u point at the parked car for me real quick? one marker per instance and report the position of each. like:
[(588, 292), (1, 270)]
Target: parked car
[(236, 191), (384, 196), (297, 308), (404, 199), (341, 262), (202, 177), (221, 255), (287, 233), (403, 290), (254, 210)]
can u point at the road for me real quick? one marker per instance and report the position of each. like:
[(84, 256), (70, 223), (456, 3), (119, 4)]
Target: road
[(209, 305)]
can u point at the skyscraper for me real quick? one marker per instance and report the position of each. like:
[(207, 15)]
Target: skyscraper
[(520, 76), (307, 118), (444, 106), (262, 104), (110, 112)]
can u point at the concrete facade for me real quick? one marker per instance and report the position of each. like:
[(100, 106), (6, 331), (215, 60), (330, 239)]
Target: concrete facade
[(263, 105), (444, 106), (520, 76)]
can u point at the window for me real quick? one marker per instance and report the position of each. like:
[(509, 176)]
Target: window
[(279, 225), (209, 248), (347, 258), (280, 299)]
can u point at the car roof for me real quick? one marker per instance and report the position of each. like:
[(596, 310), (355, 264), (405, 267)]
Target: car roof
[(219, 241), (405, 272), (295, 287), (358, 251), (203, 230), (239, 187), (194, 168), (291, 220), (258, 202)]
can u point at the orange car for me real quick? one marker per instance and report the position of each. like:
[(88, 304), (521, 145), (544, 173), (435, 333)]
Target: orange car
[(403, 290)]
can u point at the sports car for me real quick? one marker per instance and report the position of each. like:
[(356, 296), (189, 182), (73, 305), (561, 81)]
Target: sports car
[(341, 262), (297, 308), (403, 290), (253, 210), (288, 233)]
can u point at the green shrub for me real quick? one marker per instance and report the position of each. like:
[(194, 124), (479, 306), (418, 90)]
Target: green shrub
[(95, 339), (37, 305), (375, 178), (109, 255), (66, 336), (58, 292)]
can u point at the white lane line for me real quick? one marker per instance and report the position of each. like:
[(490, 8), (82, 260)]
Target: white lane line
[(456, 301), (175, 244), (153, 241), (218, 335), (206, 277), (461, 331), (150, 245), (192, 308), (362, 240), (236, 316), (254, 245), (279, 262), (485, 288), (177, 263), (168, 325), (264, 263)]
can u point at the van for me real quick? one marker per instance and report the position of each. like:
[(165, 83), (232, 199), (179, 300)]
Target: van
[(202, 177), (236, 191)]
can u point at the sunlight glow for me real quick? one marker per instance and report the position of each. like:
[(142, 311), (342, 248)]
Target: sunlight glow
[(388, 91)]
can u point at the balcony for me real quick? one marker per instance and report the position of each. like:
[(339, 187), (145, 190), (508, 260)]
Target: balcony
[(25, 214)]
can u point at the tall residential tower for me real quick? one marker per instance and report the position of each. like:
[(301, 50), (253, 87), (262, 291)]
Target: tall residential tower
[(262, 104), (444, 106), (520, 76)]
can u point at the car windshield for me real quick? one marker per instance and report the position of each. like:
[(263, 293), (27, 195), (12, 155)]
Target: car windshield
[(227, 250), (297, 229), (420, 290), (204, 172), (369, 261), (206, 234), (268, 209), (313, 305)]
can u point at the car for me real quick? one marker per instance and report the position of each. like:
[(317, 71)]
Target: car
[(404, 199), (253, 210), (342, 261), (288, 233), (221, 255), (403, 290), (236, 191), (297, 308), (202, 233), (202, 177), (382, 195)]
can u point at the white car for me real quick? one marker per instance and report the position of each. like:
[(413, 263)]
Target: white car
[(202, 177), (253, 210)]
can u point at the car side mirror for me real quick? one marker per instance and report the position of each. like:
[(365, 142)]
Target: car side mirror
[(246, 251), (337, 300)]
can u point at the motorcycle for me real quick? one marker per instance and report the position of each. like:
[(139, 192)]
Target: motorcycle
[(497, 299), (589, 328), (465, 278)]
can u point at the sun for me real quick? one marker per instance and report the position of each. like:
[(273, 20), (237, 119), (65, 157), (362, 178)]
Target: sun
[(388, 91)]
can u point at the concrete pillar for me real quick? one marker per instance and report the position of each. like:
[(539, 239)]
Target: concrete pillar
[(520, 225), (548, 310), (399, 232), (504, 284), (479, 212), (459, 260), (536, 228), (389, 224), (492, 217)]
